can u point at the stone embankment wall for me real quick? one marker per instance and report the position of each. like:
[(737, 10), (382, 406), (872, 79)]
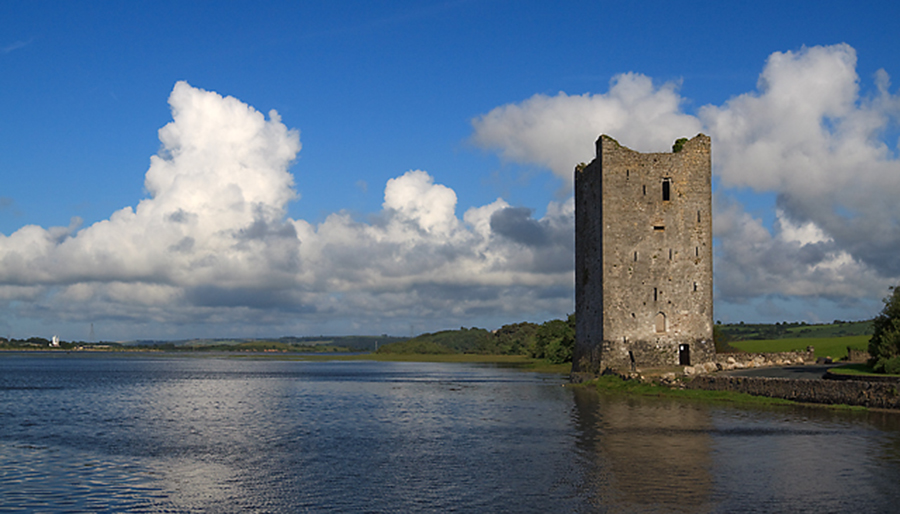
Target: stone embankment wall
[(730, 361), (868, 394)]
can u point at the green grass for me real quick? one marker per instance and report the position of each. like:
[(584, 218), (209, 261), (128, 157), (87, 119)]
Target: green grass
[(834, 347), (615, 385), (858, 369), (794, 330)]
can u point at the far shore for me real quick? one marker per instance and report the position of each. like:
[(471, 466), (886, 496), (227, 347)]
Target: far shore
[(512, 361)]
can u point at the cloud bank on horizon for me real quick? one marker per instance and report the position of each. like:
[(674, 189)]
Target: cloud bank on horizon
[(213, 245)]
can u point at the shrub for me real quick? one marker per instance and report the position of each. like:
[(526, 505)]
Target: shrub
[(884, 346), (889, 366)]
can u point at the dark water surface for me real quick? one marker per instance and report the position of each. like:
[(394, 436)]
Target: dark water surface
[(162, 433)]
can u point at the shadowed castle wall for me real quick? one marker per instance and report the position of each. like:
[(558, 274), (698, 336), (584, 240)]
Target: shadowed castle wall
[(643, 258)]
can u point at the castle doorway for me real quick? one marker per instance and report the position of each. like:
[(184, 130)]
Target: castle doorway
[(684, 355)]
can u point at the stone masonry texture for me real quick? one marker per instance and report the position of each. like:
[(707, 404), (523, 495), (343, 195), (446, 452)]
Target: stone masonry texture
[(643, 258)]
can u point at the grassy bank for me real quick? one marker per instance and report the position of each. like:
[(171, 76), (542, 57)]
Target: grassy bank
[(613, 385), (858, 369), (834, 347)]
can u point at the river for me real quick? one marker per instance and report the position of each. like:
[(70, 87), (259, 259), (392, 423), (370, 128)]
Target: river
[(170, 433)]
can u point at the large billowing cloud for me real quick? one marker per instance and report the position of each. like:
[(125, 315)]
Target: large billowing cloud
[(559, 131), (807, 134), (212, 244)]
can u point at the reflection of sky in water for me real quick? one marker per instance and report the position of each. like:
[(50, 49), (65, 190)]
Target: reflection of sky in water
[(200, 434)]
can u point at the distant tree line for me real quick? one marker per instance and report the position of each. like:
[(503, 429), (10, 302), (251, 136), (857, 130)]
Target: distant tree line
[(33, 343), (284, 344), (552, 340)]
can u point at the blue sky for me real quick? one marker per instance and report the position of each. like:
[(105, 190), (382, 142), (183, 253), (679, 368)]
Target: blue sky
[(375, 90)]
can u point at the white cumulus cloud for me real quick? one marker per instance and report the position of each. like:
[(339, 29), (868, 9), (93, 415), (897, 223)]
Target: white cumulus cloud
[(559, 131), (212, 244), (806, 133)]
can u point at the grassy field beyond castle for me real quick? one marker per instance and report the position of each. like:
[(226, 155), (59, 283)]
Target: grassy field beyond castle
[(829, 340)]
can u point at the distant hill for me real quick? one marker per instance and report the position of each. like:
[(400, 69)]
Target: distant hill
[(464, 340), (553, 340)]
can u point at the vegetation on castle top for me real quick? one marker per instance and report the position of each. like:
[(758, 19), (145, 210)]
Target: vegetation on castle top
[(679, 144), (611, 139)]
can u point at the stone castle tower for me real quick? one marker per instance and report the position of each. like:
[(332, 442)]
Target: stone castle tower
[(643, 258)]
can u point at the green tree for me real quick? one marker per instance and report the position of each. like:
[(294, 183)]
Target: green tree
[(554, 340), (722, 339), (884, 346), (515, 339)]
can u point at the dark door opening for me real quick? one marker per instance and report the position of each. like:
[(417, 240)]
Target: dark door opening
[(684, 355)]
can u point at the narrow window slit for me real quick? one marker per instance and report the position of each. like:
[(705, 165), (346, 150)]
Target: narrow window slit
[(655, 294), (666, 190)]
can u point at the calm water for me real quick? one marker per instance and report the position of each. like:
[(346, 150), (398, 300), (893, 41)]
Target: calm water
[(179, 434)]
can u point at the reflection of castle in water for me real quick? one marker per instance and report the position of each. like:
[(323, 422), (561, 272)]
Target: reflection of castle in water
[(654, 455)]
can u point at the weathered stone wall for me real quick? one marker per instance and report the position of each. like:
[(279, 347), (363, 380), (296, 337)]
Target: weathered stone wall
[(643, 258), (868, 394), (743, 360), (857, 355)]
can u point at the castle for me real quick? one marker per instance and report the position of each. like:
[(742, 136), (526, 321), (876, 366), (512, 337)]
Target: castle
[(643, 258)]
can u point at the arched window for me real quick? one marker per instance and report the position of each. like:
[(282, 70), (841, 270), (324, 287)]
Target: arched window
[(660, 322)]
